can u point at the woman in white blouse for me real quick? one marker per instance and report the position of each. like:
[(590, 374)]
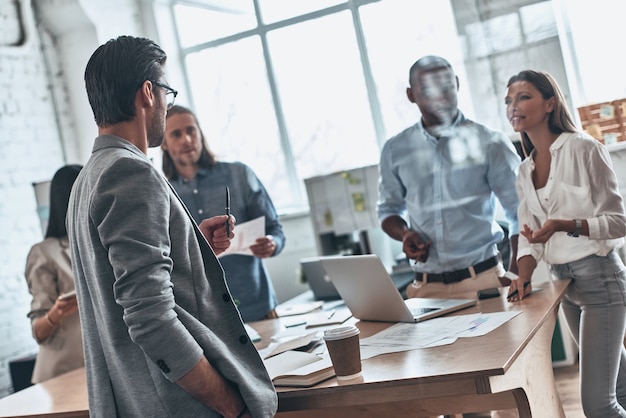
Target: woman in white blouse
[(54, 318), (572, 216)]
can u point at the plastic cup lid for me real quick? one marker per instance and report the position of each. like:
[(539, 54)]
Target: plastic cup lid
[(340, 333)]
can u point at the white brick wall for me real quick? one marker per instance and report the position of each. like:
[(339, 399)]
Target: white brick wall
[(30, 151), (40, 131)]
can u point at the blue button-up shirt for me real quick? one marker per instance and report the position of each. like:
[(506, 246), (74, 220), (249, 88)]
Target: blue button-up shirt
[(447, 188), (205, 196)]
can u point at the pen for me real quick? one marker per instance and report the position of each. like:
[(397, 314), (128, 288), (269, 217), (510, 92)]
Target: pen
[(515, 292), (295, 324), (228, 212), (477, 322), (330, 315)]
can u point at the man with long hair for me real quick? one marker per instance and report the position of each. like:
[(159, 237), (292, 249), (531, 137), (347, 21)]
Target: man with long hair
[(200, 181)]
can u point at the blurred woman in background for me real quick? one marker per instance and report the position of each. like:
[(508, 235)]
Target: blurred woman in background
[(54, 311)]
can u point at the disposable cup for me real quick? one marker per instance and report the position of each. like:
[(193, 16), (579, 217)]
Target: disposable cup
[(344, 350)]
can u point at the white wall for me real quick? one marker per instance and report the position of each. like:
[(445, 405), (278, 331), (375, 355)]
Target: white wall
[(30, 151), (45, 122)]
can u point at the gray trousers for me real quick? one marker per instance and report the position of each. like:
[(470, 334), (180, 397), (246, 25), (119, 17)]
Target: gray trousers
[(595, 310)]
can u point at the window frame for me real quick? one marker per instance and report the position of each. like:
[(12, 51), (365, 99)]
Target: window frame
[(261, 31)]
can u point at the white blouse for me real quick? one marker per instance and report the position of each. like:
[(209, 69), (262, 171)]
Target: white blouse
[(581, 185)]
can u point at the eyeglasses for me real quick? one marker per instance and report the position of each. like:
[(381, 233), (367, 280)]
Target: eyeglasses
[(169, 91)]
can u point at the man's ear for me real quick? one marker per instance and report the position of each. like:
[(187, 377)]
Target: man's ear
[(458, 84), (146, 91), (409, 95)]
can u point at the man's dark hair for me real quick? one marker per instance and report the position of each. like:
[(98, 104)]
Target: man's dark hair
[(428, 63), (60, 188), (114, 73), (207, 157)]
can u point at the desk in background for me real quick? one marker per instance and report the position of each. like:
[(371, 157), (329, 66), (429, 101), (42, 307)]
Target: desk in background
[(507, 368)]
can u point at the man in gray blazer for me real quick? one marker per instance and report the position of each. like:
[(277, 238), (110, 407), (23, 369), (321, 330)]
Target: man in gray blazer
[(161, 333)]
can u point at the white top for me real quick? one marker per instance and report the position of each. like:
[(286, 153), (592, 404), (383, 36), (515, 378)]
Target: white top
[(543, 196), (581, 185)]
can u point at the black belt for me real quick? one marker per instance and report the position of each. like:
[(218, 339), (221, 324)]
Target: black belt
[(458, 275)]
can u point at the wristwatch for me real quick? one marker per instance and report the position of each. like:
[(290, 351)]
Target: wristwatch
[(576, 232)]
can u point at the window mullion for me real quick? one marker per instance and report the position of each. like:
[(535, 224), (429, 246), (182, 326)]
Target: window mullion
[(377, 117), (292, 174)]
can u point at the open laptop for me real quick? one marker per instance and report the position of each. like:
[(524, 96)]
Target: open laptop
[(324, 289), (314, 274), (367, 289)]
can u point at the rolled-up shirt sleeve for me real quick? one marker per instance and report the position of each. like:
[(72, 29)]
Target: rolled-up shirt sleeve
[(391, 191), (609, 221)]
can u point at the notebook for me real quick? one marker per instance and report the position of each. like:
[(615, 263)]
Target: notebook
[(296, 368), (367, 289), (324, 289)]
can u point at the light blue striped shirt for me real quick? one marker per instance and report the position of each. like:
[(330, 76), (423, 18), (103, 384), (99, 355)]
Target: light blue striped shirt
[(446, 189)]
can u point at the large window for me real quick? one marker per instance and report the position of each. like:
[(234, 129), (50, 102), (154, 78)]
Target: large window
[(297, 89)]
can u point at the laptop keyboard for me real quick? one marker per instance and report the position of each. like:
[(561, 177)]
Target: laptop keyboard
[(420, 311)]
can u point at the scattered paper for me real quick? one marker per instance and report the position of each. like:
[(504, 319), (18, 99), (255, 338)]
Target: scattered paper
[(298, 308), (325, 318), (246, 235), (252, 333), (432, 333)]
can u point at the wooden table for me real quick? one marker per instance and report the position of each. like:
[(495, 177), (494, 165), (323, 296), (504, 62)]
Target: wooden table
[(63, 396), (511, 367)]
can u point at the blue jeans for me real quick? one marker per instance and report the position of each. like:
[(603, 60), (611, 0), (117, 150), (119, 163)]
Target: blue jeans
[(595, 310)]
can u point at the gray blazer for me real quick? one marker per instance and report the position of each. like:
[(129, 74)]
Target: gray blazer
[(151, 294)]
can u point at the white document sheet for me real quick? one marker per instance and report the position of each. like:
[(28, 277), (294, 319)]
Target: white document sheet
[(246, 235), (432, 333)]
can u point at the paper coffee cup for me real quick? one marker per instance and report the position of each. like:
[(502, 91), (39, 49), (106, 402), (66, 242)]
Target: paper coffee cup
[(344, 350)]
